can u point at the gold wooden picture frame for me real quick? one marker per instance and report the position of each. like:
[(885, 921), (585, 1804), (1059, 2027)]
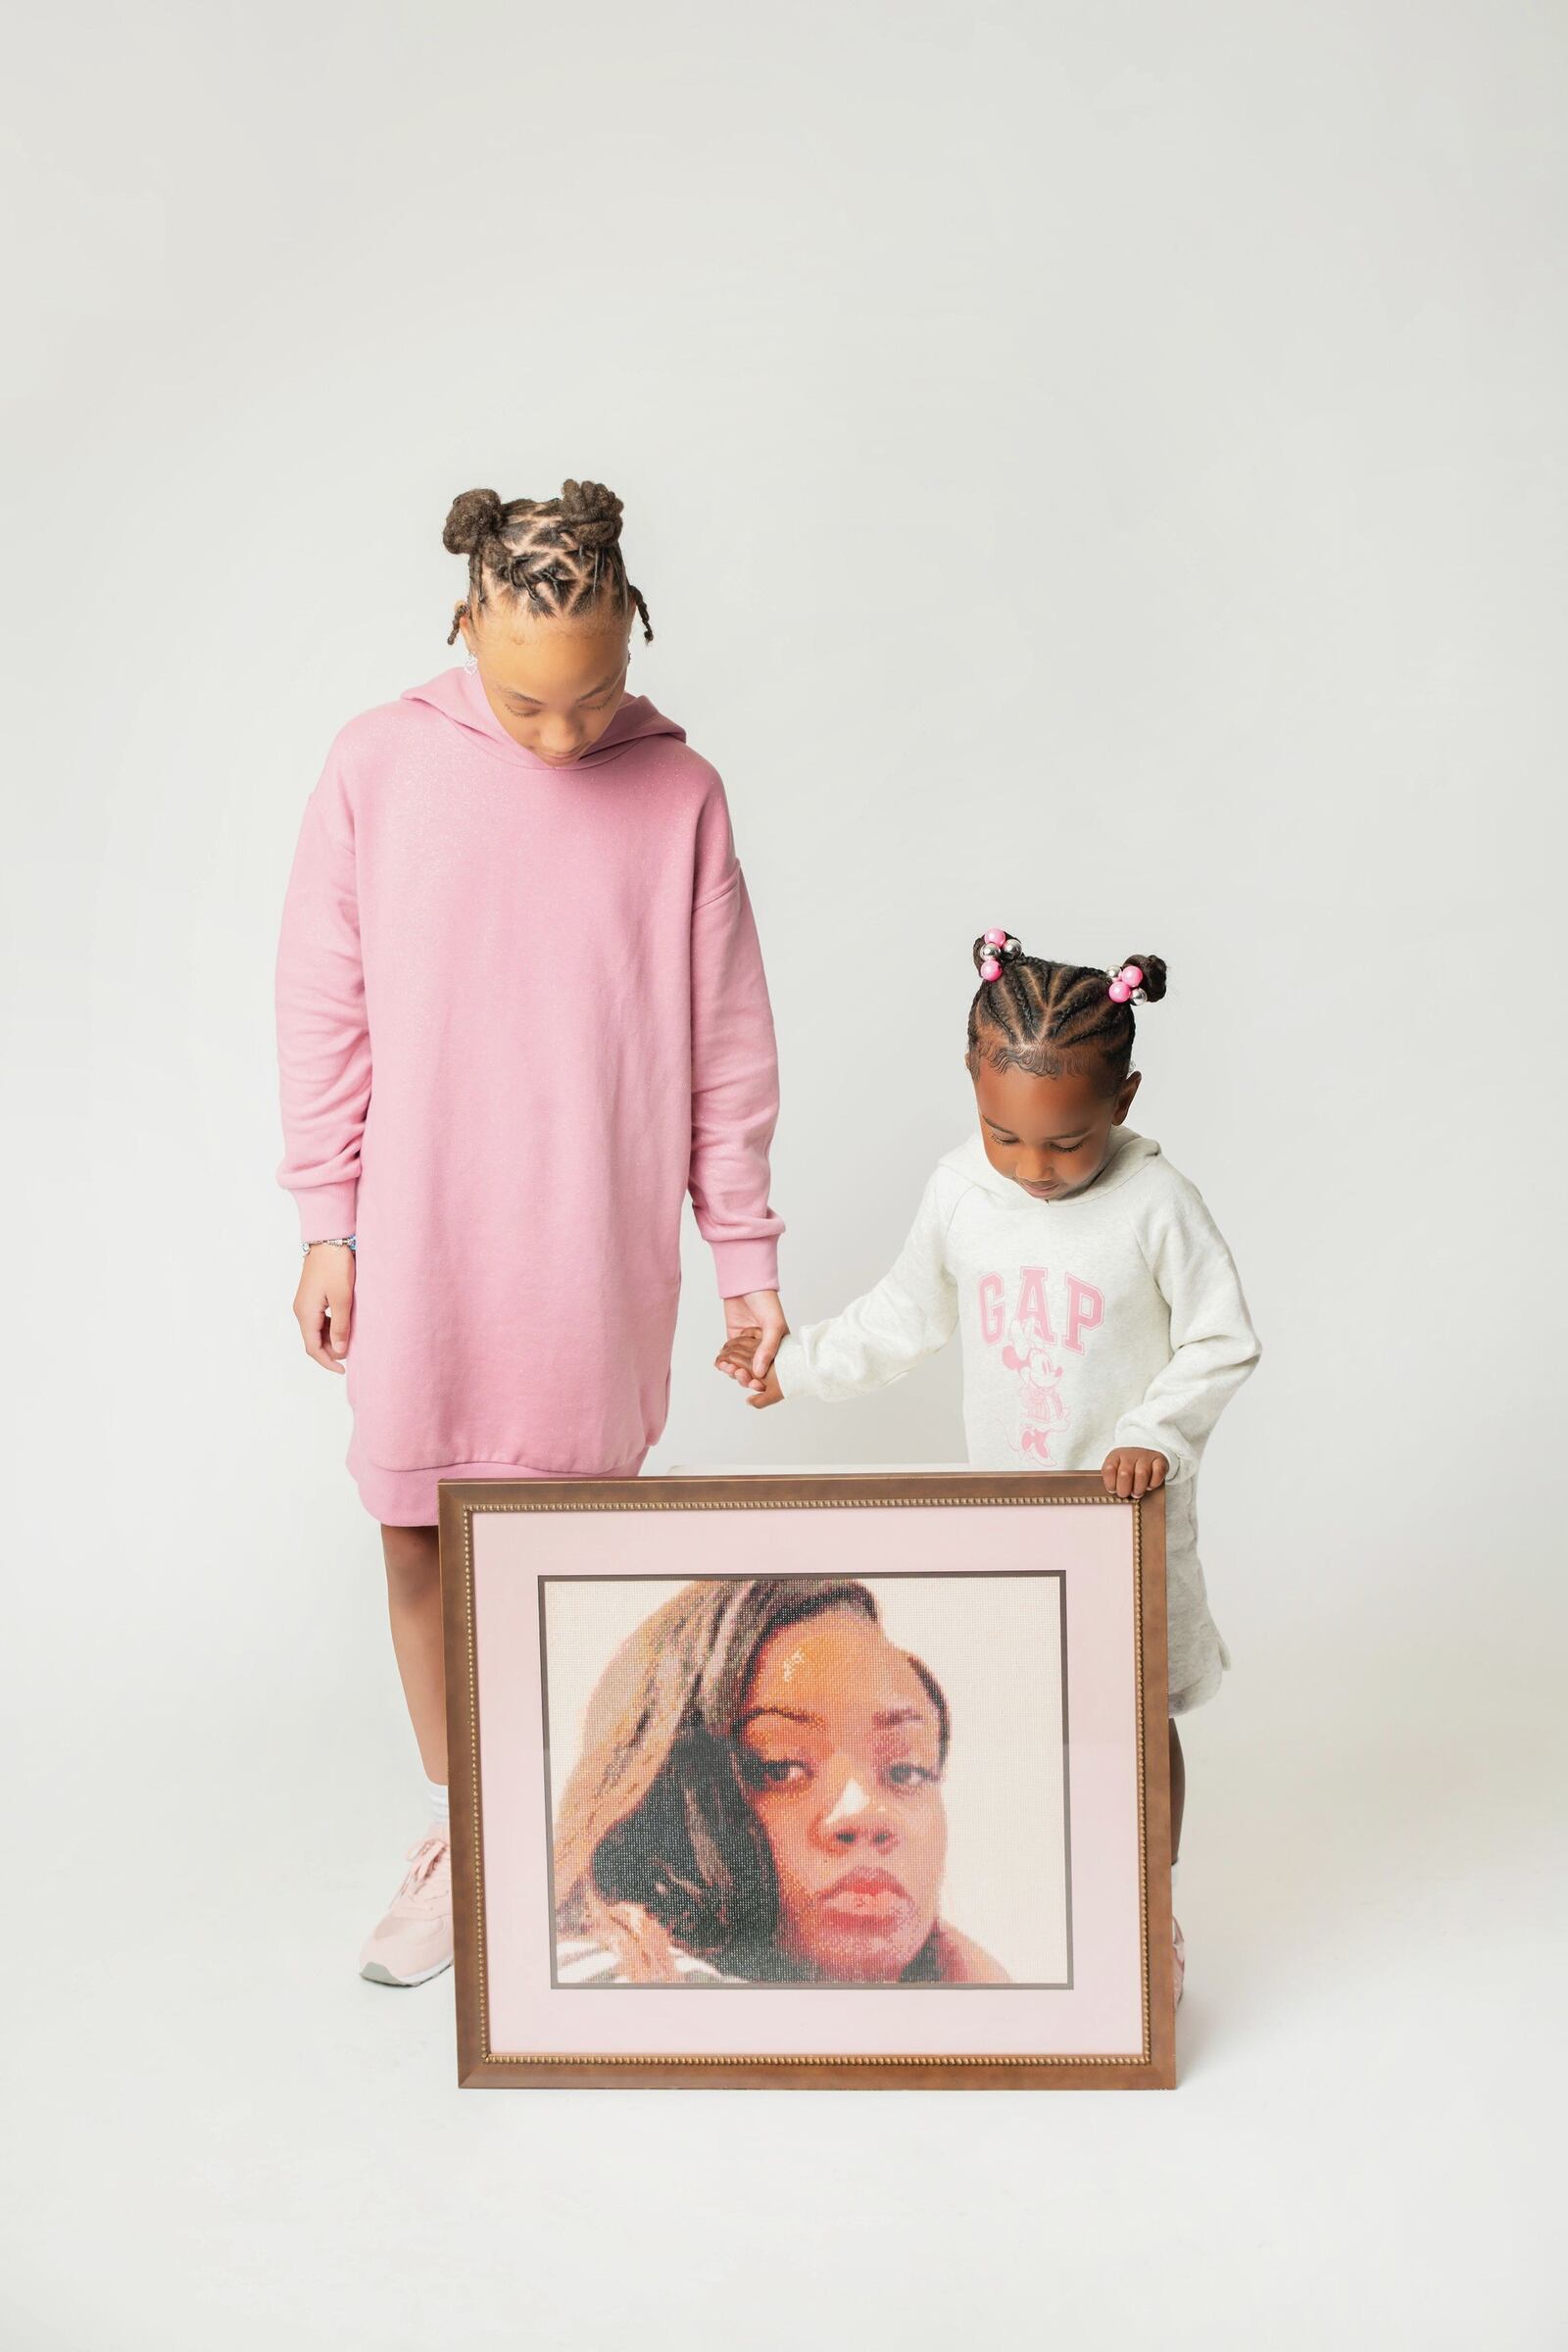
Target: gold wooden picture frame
[(1038, 1599)]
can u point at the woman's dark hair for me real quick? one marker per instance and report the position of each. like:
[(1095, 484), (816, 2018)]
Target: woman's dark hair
[(692, 1851), (559, 556), (1051, 1017)]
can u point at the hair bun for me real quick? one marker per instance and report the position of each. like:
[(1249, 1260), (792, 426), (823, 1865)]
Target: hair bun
[(474, 516), (1154, 971), (989, 949), (590, 513)]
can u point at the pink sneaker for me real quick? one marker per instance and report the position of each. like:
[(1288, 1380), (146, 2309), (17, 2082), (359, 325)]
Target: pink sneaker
[(1179, 1943), (414, 1943)]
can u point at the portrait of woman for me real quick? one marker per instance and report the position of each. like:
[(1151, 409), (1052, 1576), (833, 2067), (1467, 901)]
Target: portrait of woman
[(759, 1801)]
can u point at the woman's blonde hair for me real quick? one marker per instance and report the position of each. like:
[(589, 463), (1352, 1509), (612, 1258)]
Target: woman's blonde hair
[(657, 1844)]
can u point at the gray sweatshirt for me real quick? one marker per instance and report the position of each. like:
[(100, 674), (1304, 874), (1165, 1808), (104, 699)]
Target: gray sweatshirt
[(1113, 1317)]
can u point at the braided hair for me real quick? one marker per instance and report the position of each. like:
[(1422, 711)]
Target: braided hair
[(1049, 1018), (559, 556)]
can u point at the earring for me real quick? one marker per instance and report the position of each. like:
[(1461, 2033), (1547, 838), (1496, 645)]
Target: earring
[(472, 664)]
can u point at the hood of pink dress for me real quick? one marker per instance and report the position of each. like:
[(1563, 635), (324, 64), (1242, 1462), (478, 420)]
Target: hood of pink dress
[(459, 697)]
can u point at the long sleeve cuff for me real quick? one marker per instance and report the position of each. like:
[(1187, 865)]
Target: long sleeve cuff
[(326, 1212), (1133, 1430), (789, 1366), (744, 1267)]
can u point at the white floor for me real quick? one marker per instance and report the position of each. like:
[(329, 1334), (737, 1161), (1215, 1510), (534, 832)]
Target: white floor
[(217, 2136)]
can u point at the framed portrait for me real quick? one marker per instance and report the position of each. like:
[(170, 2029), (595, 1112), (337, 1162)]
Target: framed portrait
[(850, 1780)]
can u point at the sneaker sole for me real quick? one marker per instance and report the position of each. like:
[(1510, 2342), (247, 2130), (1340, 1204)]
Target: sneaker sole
[(375, 1974)]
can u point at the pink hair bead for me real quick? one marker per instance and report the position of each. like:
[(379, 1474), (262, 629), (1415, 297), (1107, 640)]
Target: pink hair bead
[(995, 939), (1131, 973), (1119, 992), (991, 969)]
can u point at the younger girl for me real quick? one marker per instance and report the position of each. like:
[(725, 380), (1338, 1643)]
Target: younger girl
[(522, 1012), (1102, 1323)]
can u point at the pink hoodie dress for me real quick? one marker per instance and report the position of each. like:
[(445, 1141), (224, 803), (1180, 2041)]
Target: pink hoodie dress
[(522, 1012)]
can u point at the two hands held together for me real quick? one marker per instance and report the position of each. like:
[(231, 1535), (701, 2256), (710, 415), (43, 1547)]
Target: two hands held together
[(748, 1353), (747, 1357)]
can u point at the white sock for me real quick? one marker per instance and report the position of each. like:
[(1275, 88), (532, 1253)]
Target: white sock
[(435, 1794)]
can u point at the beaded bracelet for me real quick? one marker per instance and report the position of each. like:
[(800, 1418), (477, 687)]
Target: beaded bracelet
[(338, 1240)]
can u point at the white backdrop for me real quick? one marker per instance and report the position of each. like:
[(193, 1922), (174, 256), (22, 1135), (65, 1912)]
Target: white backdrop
[(1097, 469)]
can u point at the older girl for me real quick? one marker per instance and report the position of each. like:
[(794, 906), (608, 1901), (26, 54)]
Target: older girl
[(522, 1012)]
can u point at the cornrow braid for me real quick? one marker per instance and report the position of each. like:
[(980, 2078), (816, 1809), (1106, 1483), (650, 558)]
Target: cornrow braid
[(559, 556), (1049, 1017)]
